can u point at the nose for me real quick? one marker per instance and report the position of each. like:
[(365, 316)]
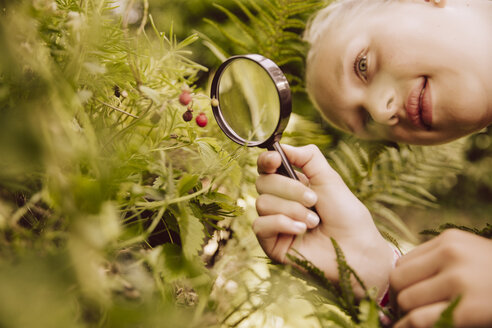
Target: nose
[(381, 101)]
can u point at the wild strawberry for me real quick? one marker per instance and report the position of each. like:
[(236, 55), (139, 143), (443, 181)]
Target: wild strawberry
[(201, 120), (187, 116), (185, 98)]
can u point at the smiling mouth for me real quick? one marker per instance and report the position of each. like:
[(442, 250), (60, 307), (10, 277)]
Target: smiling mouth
[(422, 112), (419, 105)]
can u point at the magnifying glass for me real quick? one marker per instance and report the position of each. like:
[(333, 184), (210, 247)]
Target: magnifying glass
[(253, 104)]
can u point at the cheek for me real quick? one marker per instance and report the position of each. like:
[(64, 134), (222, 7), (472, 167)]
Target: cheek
[(460, 103)]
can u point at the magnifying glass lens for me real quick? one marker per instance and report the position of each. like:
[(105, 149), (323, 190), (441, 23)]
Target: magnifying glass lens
[(250, 109), (253, 104)]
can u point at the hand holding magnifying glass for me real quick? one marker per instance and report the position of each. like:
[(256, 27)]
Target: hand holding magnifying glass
[(254, 104)]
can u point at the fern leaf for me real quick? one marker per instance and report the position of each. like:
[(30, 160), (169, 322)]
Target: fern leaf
[(404, 194), (228, 36), (345, 283), (351, 153), (446, 318), (385, 214), (342, 169), (255, 20), (331, 292), (244, 28)]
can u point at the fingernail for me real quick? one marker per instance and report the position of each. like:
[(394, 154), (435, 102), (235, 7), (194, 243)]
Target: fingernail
[(310, 197), (300, 226), (313, 219)]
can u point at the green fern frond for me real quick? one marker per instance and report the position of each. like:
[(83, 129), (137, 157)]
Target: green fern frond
[(340, 294), (484, 232), (272, 29), (383, 176), (347, 295), (328, 289), (446, 318)]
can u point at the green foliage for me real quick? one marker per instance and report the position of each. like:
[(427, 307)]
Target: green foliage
[(100, 172), (384, 177), (484, 232), (446, 318), (270, 28), (107, 196), (361, 313)]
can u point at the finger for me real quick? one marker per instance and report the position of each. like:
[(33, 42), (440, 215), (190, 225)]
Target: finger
[(267, 204), (422, 317), (416, 269), (266, 227), (448, 238), (313, 164), (276, 233), (429, 291), (418, 251), (268, 162), (287, 188)]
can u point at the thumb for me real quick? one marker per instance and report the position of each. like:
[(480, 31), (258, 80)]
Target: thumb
[(313, 164), (337, 205)]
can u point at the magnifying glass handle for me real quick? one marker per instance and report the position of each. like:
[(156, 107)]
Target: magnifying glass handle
[(286, 168)]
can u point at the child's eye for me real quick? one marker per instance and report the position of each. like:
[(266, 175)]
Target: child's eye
[(360, 66)]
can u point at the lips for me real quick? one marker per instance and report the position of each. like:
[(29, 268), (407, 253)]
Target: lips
[(419, 105)]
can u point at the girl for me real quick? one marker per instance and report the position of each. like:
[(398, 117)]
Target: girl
[(410, 71)]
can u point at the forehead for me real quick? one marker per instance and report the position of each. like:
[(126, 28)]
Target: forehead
[(329, 70)]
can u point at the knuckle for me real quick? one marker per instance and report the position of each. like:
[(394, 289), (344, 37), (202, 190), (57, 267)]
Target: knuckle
[(403, 300), (416, 320), (451, 235), (255, 225), (260, 182), (312, 148), (261, 204), (299, 210), (457, 280), (280, 221), (450, 250), (395, 280)]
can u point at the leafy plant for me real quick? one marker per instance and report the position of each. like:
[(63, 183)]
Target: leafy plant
[(384, 177), (107, 196), (100, 175), (484, 232), (446, 318), (363, 312), (270, 28)]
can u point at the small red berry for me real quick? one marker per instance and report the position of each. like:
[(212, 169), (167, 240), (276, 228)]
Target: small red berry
[(187, 116), (201, 120), (185, 98)]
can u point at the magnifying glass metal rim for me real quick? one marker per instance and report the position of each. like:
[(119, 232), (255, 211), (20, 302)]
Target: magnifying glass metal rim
[(283, 90)]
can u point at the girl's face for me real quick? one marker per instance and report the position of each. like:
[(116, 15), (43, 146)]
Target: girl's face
[(408, 72)]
